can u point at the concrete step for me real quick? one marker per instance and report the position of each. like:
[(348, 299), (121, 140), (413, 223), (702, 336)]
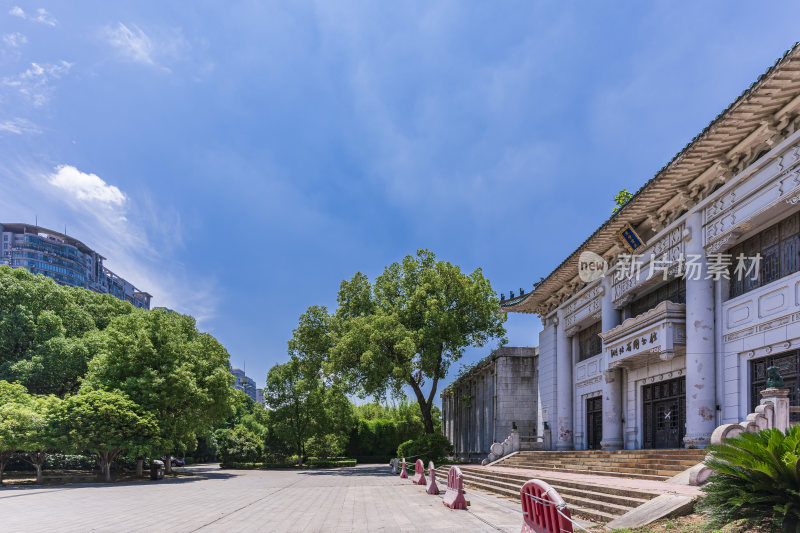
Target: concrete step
[(631, 475), (599, 503)]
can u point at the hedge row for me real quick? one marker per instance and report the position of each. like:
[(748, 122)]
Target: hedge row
[(311, 463)]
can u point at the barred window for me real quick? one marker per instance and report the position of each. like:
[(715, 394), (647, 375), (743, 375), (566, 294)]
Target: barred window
[(674, 291), (779, 246), (589, 342)]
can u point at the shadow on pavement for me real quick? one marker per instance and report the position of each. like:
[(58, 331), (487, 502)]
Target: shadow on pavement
[(365, 470), (190, 474)]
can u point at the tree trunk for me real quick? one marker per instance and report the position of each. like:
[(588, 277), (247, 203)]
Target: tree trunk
[(299, 453), (2, 467), (38, 474), (140, 467), (427, 419), (168, 464)]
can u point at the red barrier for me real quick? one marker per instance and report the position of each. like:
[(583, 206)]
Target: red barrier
[(432, 487), (540, 509), (403, 474), (454, 495), (419, 473)]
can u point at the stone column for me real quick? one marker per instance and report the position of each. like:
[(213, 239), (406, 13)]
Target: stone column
[(701, 394), (780, 399), (612, 379), (563, 420)]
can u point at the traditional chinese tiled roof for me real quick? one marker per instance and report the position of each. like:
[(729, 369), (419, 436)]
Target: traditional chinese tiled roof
[(727, 143)]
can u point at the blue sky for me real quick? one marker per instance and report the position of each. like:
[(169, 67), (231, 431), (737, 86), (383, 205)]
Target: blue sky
[(239, 159)]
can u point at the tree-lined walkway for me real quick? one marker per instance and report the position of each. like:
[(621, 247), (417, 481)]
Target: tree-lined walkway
[(364, 498)]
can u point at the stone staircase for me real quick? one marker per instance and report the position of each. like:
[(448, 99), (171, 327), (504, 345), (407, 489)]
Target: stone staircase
[(599, 500), (658, 465)]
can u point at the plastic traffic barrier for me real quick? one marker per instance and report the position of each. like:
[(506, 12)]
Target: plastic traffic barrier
[(432, 487), (454, 495), (543, 509), (419, 473), (403, 474)]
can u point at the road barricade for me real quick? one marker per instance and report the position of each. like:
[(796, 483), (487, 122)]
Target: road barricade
[(419, 473), (395, 464), (432, 487), (543, 509), (403, 474), (454, 495)]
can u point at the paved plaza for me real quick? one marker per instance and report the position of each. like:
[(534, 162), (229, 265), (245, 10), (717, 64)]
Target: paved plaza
[(363, 498)]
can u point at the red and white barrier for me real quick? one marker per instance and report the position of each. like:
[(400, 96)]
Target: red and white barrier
[(403, 474), (454, 495), (432, 487), (543, 509), (419, 473)]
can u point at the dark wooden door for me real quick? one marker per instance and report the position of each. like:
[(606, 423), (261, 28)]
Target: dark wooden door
[(789, 363), (594, 423), (664, 413)]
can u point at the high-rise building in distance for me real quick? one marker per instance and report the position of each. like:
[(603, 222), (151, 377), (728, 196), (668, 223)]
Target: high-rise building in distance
[(64, 259), (244, 383)]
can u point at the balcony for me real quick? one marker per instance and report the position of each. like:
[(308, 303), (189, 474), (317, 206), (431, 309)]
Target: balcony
[(657, 335)]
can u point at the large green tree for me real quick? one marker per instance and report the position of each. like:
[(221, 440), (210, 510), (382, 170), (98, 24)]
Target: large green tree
[(407, 327), (163, 364), (38, 435), (107, 423), (48, 333), (16, 417)]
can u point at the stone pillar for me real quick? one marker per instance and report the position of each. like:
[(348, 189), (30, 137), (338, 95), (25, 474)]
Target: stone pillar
[(563, 419), (701, 395), (612, 379), (780, 399)]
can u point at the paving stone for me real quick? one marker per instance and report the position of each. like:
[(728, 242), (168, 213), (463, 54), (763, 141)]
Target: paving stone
[(363, 498)]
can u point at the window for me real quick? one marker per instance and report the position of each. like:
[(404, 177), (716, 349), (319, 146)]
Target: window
[(779, 246), (674, 291), (589, 342)]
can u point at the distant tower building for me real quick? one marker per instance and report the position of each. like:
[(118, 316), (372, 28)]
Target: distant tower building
[(65, 260), (244, 383), (260, 396)]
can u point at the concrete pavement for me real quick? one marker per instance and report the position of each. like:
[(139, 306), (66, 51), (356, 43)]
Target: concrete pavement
[(363, 498)]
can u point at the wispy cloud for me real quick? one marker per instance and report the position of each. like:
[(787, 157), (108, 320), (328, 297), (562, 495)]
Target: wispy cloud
[(85, 187), (35, 82), (42, 16), (18, 126), (133, 44), (14, 40)]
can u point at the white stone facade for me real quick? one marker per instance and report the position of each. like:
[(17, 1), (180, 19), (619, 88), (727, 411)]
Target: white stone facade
[(481, 407), (675, 358)]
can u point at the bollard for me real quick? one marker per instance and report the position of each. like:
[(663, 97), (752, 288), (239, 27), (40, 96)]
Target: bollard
[(403, 474), (394, 465), (432, 487), (419, 473), (454, 495), (540, 509)]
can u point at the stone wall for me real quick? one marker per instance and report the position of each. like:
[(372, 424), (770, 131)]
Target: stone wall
[(480, 407)]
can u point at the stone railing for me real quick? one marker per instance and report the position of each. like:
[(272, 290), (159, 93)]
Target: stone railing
[(498, 450), (773, 412)]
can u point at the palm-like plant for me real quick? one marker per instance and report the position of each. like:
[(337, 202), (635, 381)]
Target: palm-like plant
[(756, 478)]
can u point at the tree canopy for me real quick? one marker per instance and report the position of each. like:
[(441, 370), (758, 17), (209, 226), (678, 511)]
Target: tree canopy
[(408, 326)]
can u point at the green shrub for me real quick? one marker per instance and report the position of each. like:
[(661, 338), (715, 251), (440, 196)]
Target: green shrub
[(237, 445), (325, 446), (430, 447), (318, 463), (756, 478)]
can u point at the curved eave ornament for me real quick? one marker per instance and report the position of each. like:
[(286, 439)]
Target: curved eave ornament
[(513, 305)]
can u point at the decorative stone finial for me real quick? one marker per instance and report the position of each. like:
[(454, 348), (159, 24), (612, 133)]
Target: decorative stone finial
[(502, 296), (511, 294), (521, 291)]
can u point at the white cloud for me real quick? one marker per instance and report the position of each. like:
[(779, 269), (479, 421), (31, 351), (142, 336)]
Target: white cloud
[(18, 126), (86, 187), (44, 17), (34, 83), (132, 43), (14, 40)]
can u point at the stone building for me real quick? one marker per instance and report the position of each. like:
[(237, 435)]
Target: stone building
[(481, 407), (646, 354)]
